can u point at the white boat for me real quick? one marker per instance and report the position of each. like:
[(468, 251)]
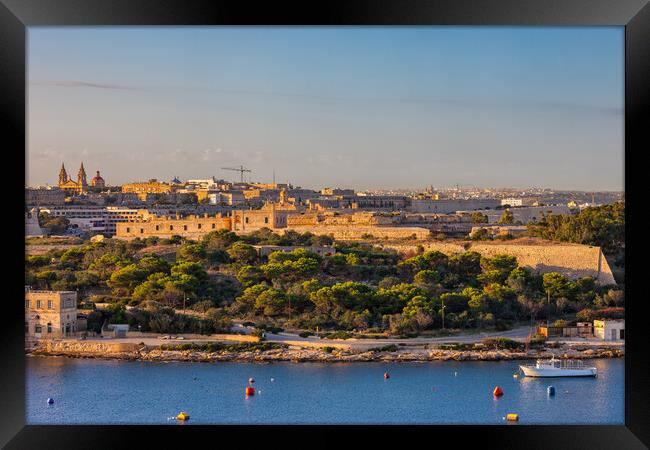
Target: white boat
[(558, 368)]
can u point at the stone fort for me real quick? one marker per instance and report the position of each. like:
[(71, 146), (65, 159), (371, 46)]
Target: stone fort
[(571, 260)]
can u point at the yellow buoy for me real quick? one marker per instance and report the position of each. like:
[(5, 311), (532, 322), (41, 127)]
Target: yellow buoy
[(512, 417), (183, 416)]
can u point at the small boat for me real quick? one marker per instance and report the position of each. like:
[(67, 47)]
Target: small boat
[(558, 368)]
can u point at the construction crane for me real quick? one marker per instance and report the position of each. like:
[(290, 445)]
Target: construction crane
[(239, 169)]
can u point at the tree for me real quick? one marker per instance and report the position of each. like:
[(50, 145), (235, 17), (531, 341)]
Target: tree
[(242, 253), (497, 268), (127, 278), (191, 252), (219, 240), (507, 217), (56, 225), (154, 264), (72, 257), (418, 305), (426, 278), (479, 217), (250, 275), (556, 285), (454, 302), (271, 302)]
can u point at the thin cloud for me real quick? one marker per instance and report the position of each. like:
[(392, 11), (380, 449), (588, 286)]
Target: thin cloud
[(85, 84), (459, 102)]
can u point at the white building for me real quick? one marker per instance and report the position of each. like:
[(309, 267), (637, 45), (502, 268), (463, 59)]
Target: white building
[(96, 219), (446, 206), (610, 329), (231, 198)]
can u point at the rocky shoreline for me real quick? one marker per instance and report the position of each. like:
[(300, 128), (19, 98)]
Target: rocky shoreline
[(156, 354)]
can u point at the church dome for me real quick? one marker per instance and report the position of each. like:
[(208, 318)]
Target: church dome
[(97, 180)]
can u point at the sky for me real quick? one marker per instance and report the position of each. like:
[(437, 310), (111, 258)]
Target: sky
[(356, 107)]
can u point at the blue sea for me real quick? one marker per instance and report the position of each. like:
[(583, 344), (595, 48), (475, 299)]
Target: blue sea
[(92, 391)]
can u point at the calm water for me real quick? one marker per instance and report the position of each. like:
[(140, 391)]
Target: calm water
[(88, 391)]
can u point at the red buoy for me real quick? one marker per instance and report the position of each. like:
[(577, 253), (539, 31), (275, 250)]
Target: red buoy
[(386, 375), (250, 391), (498, 392)]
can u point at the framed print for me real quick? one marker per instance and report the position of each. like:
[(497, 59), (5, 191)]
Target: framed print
[(395, 217)]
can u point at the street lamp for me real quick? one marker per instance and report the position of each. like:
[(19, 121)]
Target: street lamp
[(443, 314), (184, 298)]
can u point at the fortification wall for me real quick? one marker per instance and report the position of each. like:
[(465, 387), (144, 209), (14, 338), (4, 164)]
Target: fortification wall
[(571, 260), (355, 232)]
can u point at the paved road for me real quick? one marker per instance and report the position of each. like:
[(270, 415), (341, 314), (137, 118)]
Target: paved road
[(519, 334)]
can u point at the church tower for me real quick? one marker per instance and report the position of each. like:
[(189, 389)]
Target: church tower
[(81, 177), (63, 175)]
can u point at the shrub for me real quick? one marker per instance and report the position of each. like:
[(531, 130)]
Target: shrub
[(338, 335), (305, 334), (386, 348), (328, 349), (502, 342)]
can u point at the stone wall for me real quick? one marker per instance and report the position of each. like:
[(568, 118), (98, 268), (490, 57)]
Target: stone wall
[(571, 260), (355, 232), (84, 347)]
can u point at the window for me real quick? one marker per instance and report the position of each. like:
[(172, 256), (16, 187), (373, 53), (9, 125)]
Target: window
[(26, 304), (185, 227), (141, 230), (213, 226), (38, 304), (38, 329), (49, 327), (246, 219), (157, 227), (266, 220), (26, 327), (199, 226), (171, 227), (622, 335), (128, 230), (50, 304)]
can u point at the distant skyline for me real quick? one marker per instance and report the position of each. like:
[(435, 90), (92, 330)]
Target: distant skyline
[(364, 108)]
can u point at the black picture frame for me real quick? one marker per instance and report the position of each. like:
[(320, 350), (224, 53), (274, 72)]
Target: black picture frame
[(16, 15)]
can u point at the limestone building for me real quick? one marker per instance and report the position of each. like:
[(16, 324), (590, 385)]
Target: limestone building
[(71, 186), (97, 181), (152, 186), (50, 195), (50, 314), (192, 227)]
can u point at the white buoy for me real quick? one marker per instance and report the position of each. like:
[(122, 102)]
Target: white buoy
[(272, 379), (455, 374)]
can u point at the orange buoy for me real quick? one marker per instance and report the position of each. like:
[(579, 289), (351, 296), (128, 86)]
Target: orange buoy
[(498, 392), (251, 380), (250, 391), (386, 375)]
